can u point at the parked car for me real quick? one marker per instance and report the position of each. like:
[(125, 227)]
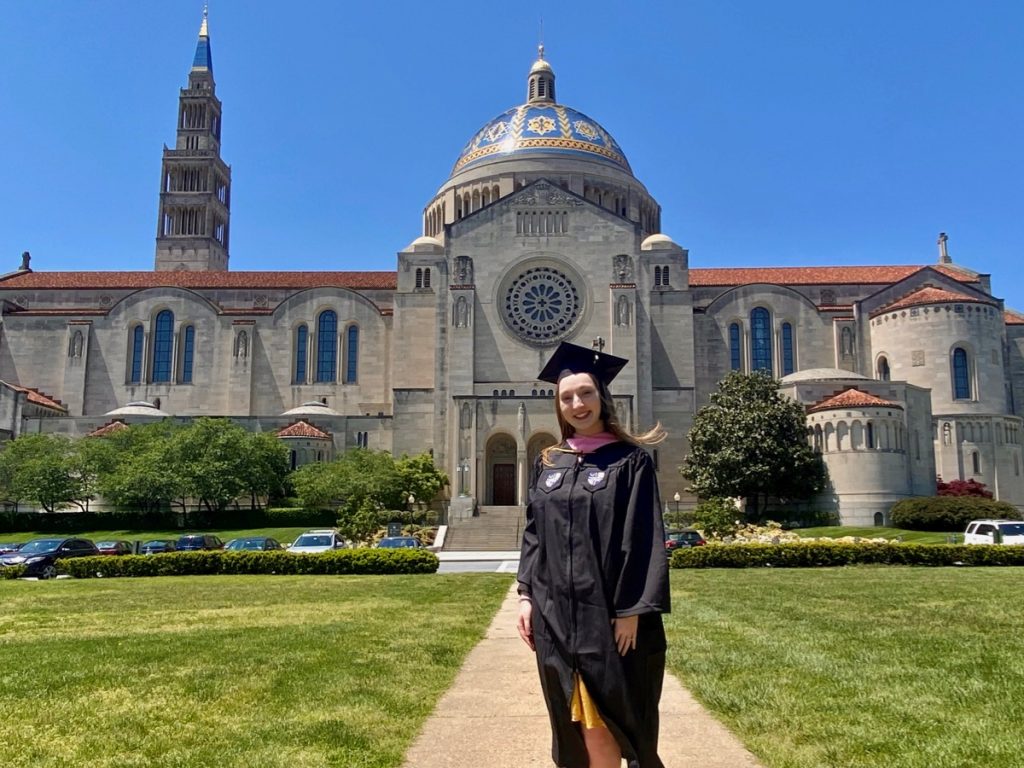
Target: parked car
[(40, 556), (322, 540), (192, 542), (157, 546), (399, 542), (253, 543), (10, 546), (115, 547), (994, 532), (683, 539)]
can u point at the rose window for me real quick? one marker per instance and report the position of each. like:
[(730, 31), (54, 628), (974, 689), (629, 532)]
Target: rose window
[(542, 305)]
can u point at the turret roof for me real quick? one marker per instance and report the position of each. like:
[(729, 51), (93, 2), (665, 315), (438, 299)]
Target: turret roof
[(930, 295), (303, 428), (852, 398)]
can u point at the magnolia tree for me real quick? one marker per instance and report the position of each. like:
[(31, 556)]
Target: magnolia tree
[(751, 442)]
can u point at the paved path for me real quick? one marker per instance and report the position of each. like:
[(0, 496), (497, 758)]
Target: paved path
[(494, 715)]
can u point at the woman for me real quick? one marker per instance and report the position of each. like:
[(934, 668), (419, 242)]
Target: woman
[(593, 575)]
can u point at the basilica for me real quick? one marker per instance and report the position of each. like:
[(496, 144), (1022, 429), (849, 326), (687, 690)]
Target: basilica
[(541, 233)]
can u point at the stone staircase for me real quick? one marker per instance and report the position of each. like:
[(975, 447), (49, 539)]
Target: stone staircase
[(494, 529)]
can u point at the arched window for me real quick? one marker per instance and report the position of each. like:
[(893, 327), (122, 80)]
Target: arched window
[(327, 346), (351, 354), (760, 340), (137, 338), (871, 435), (787, 349), (419, 277), (163, 346), (976, 462), (188, 344), (735, 355), (664, 275), (961, 375), (657, 276), (883, 369), (426, 277), (301, 345)]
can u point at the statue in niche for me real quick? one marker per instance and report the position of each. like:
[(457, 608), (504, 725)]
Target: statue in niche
[(461, 312), (622, 309), (464, 270), (846, 342), (466, 416), (242, 345), (623, 268), (75, 348)]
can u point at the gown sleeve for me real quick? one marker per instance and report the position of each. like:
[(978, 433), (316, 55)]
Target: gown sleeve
[(642, 585), (528, 550)]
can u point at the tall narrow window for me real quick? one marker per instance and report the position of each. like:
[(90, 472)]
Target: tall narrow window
[(301, 342), (419, 277), (188, 354), (137, 337), (426, 277), (657, 276), (327, 346), (883, 369), (787, 349), (664, 275), (163, 346), (735, 355), (961, 375), (760, 340), (351, 354), (976, 462)]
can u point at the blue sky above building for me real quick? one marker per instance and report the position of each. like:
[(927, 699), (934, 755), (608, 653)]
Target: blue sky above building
[(793, 133)]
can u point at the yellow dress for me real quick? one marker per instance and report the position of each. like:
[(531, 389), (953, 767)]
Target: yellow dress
[(582, 708)]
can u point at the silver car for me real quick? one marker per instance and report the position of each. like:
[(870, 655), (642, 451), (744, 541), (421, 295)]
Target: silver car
[(312, 542)]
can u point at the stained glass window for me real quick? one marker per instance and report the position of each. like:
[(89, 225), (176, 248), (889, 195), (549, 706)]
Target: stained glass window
[(327, 346), (137, 339), (163, 346), (735, 355), (351, 354), (961, 375), (760, 340), (301, 341), (188, 354), (787, 349)]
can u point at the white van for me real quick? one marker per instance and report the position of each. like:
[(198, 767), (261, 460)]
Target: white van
[(994, 532)]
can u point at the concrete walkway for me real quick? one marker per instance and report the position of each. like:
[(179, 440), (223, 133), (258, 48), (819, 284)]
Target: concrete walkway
[(494, 715)]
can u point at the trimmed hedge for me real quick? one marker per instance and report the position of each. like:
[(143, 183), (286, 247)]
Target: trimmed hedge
[(948, 513), (816, 554), (346, 561), (12, 572)]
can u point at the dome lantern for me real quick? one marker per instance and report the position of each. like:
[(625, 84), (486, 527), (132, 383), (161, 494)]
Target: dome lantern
[(541, 82)]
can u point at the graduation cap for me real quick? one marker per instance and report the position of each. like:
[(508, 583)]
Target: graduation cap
[(572, 358)]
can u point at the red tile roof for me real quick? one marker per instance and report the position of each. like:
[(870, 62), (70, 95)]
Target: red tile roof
[(852, 398), (115, 426), (1013, 317), (817, 275), (139, 280), (303, 428), (36, 397), (929, 295)]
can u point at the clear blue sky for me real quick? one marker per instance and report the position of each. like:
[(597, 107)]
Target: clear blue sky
[(786, 133)]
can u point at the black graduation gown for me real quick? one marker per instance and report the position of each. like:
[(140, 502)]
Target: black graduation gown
[(594, 549)]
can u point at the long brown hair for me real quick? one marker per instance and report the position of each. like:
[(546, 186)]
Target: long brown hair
[(610, 419)]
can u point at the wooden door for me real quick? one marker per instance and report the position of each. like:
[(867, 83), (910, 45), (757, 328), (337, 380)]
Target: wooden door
[(504, 485)]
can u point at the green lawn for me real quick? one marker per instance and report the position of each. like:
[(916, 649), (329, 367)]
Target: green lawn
[(857, 667), (231, 671), (839, 531)]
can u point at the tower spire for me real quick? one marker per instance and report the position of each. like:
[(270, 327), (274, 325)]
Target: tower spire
[(195, 188), (540, 88)]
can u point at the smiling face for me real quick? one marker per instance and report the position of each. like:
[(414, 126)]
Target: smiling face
[(579, 404)]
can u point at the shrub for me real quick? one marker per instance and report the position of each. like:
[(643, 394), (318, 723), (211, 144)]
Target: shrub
[(947, 513), (346, 561), (963, 488), (818, 554), (12, 572), (716, 517), (287, 517)]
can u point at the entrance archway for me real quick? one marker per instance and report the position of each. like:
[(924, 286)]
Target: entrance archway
[(501, 471), (537, 443)]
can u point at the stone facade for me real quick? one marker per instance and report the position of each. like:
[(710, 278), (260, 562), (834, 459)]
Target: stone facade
[(541, 233)]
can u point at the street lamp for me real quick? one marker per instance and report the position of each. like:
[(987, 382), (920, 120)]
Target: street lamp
[(411, 500), (676, 499)]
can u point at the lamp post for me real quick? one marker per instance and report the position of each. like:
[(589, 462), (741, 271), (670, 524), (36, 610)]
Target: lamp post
[(411, 500), (676, 499), (463, 470)]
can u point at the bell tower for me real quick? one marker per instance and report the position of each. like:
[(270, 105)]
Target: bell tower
[(195, 183)]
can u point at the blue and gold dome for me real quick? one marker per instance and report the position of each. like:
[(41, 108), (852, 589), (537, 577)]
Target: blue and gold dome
[(541, 126)]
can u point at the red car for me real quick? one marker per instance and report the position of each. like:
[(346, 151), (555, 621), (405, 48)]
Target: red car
[(115, 547), (681, 539)]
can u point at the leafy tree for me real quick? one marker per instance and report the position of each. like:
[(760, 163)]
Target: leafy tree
[(420, 476), (210, 457), (751, 442), (266, 467), (716, 517), (963, 488), (135, 468), (43, 469)]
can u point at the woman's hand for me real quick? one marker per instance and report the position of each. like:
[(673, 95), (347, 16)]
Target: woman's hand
[(524, 622), (625, 633)]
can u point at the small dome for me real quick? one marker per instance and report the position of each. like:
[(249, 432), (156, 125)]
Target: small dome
[(312, 408), (425, 243), (658, 242), (820, 374), (138, 408), (541, 129)]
